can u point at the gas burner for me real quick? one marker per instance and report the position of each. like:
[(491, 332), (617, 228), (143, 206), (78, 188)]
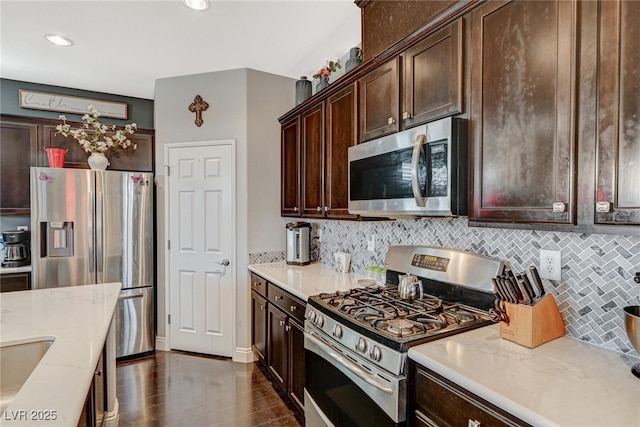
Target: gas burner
[(400, 327)]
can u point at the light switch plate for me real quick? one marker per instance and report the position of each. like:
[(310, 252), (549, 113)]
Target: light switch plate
[(371, 243)]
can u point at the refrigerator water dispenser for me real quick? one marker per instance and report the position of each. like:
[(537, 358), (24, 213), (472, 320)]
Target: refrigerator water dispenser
[(57, 239)]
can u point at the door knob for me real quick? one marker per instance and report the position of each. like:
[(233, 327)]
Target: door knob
[(225, 262)]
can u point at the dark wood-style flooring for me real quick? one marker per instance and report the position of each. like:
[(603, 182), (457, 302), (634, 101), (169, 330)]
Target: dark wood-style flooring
[(184, 389)]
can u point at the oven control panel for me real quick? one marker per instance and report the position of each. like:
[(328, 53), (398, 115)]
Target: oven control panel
[(430, 262)]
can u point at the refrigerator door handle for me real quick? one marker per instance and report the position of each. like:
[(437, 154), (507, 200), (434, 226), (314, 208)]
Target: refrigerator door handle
[(99, 237), (91, 227)]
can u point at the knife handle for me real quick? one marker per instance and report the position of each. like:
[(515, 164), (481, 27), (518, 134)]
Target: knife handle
[(537, 280), (513, 282), (527, 296), (510, 290), (527, 284)]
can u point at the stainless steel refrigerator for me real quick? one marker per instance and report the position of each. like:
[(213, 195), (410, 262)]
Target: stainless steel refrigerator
[(93, 227)]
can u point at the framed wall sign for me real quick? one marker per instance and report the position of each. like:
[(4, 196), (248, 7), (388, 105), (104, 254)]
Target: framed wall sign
[(70, 104)]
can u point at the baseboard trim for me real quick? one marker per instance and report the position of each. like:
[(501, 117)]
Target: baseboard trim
[(161, 344), (244, 355)]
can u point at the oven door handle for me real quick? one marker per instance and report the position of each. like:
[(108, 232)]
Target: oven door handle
[(352, 367), (415, 160)]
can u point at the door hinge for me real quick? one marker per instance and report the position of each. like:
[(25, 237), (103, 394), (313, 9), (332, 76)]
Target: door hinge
[(168, 244), (168, 318), (168, 170)]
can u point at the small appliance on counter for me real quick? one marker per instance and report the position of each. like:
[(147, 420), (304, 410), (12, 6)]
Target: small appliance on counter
[(17, 252), (298, 243)]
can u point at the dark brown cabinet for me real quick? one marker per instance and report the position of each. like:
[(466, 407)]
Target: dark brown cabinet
[(322, 135), (312, 143), (18, 152), (277, 336), (522, 111), (138, 160), (379, 99), (618, 130), (259, 319), (341, 133), (278, 345), (10, 282), (435, 401), (290, 164), (422, 84), (432, 77)]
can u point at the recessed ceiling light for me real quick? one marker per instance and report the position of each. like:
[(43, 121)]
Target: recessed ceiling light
[(197, 4), (58, 40)]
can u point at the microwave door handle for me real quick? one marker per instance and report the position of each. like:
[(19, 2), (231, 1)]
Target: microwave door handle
[(415, 160)]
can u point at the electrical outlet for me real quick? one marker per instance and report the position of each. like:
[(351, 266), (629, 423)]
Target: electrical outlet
[(550, 264), (371, 243), (23, 227)]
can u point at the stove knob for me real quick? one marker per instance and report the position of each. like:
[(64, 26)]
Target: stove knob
[(311, 316), (361, 345), (337, 331), (319, 321), (375, 353)]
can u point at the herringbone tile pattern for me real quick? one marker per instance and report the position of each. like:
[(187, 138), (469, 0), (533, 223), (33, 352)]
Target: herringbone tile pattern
[(597, 272)]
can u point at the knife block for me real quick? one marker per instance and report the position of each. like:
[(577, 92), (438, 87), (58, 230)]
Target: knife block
[(534, 325)]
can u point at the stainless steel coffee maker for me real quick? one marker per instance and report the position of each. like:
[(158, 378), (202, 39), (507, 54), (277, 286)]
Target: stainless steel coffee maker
[(17, 252), (298, 243)]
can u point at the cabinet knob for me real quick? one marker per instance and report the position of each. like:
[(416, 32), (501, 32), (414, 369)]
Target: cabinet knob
[(282, 323), (391, 121), (262, 307), (319, 209), (293, 307), (326, 208), (406, 115), (287, 328), (603, 207), (295, 209), (558, 207), (278, 297), (474, 423)]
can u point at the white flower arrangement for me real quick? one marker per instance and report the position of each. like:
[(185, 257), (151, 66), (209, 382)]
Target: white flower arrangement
[(95, 137)]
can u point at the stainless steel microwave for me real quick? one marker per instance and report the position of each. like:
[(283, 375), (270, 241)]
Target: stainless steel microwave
[(421, 171)]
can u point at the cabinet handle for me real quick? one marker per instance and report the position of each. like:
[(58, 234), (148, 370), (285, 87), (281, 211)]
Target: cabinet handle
[(287, 328), (319, 209), (558, 207), (391, 121), (474, 423), (295, 209), (98, 372), (326, 208), (282, 323), (278, 297), (262, 307), (293, 307), (603, 207), (406, 115), (256, 284)]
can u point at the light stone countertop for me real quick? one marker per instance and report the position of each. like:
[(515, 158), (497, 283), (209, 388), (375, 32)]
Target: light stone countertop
[(78, 319), (564, 382), (23, 269), (304, 281)]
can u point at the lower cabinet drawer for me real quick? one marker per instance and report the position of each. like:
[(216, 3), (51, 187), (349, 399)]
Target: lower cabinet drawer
[(10, 282), (287, 302), (439, 402)]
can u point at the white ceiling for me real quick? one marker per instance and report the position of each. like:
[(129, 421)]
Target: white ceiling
[(122, 47)]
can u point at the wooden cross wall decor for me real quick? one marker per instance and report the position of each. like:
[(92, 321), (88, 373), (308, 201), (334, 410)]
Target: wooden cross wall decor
[(198, 106)]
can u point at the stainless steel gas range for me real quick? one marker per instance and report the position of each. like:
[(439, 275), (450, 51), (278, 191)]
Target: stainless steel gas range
[(356, 342)]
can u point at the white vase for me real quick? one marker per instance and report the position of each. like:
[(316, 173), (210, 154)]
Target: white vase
[(98, 161)]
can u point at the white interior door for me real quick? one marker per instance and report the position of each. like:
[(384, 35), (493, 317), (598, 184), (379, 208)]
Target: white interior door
[(201, 203)]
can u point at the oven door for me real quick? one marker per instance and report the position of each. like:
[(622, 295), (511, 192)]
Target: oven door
[(342, 389)]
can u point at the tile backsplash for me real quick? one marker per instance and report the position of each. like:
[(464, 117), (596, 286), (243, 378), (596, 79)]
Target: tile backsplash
[(597, 270)]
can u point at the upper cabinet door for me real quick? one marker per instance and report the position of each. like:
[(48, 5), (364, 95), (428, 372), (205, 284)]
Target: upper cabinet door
[(342, 131), (18, 152), (379, 95), (618, 165), (312, 141), (433, 76), (522, 116), (290, 172)]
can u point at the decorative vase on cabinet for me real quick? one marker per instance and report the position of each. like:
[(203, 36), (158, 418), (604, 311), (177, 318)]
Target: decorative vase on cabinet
[(98, 161), (303, 90), (324, 82), (354, 60)]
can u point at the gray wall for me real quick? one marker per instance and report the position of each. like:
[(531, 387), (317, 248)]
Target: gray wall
[(244, 105), (140, 110), (597, 270)]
